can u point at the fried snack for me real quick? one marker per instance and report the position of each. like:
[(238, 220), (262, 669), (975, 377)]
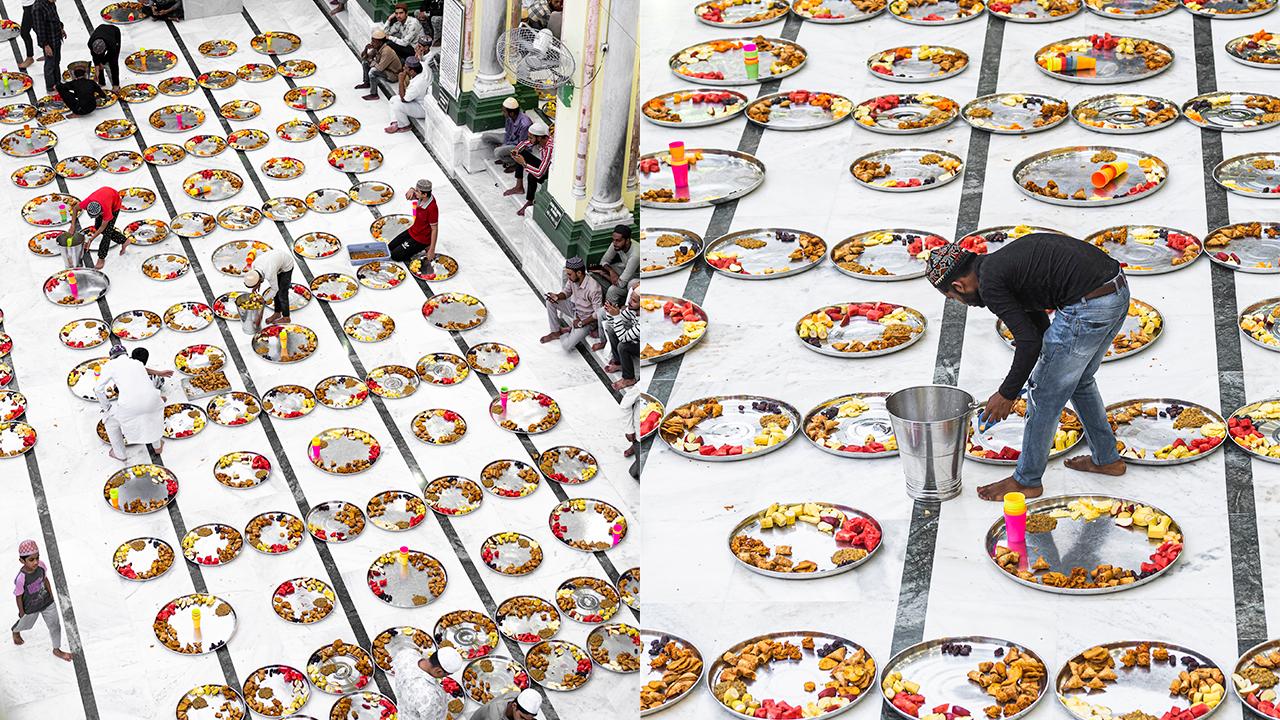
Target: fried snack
[(1014, 681)]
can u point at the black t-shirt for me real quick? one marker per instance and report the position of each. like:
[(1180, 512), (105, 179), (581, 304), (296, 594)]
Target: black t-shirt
[(1034, 273), (80, 95), (110, 34), (35, 590)]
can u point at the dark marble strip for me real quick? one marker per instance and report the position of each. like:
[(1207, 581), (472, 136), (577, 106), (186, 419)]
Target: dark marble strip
[(1246, 558)]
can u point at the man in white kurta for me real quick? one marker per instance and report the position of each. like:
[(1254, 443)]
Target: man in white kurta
[(521, 707), (415, 83), (419, 695), (137, 413), (270, 276)]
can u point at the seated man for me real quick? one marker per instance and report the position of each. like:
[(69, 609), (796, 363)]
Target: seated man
[(414, 86), (515, 130), (533, 156), (103, 207), (377, 62), (622, 328), (166, 10), (618, 266), (80, 94), (578, 303), (403, 30), (422, 234)]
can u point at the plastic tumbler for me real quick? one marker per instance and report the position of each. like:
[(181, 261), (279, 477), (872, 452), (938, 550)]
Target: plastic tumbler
[(1015, 518)]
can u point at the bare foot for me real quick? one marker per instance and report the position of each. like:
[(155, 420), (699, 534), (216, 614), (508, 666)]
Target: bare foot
[(514, 191), (597, 347), (1084, 463), (631, 450), (17, 639), (158, 447), (112, 454), (612, 368), (623, 384), (523, 207), (98, 265), (62, 654), (390, 128), (26, 63), (551, 336), (996, 490)]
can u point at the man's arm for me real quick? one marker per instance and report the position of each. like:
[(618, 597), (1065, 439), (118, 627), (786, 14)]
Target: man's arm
[(632, 267), (1028, 333)]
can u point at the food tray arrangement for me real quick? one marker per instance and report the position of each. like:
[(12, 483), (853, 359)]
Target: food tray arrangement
[(142, 559), (1255, 428), (248, 139), (469, 632), (1147, 676), (274, 533), (193, 224), (525, 412), (488, 678), (338, 125), (339, 667), (798, 110), (493, 358), (441, 268), (1252, 247), (1159, 431), (335, 521), (344, 451), (256, 72), (188, 316), (511, 553), (177, 118), (136, 325), (905, 113), (667, 250), (288, 402), (1233, 111), (568, 465), (28, 142), (396, 510), (1124, 114), (355, 158), (212, 185), (670, 326), (371, 193), (391, 641), (140, 489), (694, 108), (276, 690), (615, 647), (49, 210), (1087, 545), (1250, 175), (195, 624), (151, 61), (453, 495), (183, 420), (1000, 443), (241, 469), (381, 275), (369, 326), (341, 392), (740, 13), (233, 409), (439, 426), (176, 86), (906, 169), (303, 600), (917, 63), (1070, 176), (714, 177), (1006, 678), (765, 253), (1259, 321), (558, 665), (443, 368), (729, 427), (407, 578), (275, 43), (510, 478), (284, 343), (647, 412), (855, 425), (138, 92), (805, 540), (212, 544), (218, 48), (1149, 249), (935, 12), (780, 671), (670, 668), (392, 381), (1103, 59), (1033, 11), (723, 61), (527, 619), (587, 524), (629, 587), (1260, 50), (327, 200), (284, 209), (858, 329)]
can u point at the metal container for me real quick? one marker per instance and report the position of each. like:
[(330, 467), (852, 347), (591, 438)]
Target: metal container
[(250, 318), (71, 245), (931, 423)]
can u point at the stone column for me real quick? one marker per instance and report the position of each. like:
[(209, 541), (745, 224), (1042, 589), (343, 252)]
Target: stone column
[(491, 78), (614, 120)]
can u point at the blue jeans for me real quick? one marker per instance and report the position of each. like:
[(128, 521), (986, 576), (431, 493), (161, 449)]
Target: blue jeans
[(1073, 347)]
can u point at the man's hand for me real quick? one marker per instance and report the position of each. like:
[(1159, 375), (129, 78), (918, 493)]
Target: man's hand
[(611, 309), (48, 51), (519, 159), (165, 373), (998, 408), (64, 33)]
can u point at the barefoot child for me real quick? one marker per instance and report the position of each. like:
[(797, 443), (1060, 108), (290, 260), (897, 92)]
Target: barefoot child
[(34, 592), (1057, 358)]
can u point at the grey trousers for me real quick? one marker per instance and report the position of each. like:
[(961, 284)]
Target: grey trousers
[(50, 615), (563, 311), (115, 434)]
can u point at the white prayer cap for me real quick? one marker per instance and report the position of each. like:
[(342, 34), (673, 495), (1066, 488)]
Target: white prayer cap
[(529, 701), (251, 278), (449, 659)]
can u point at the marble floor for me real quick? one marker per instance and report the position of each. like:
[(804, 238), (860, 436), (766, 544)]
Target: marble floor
[(54, 493), (931, 578)]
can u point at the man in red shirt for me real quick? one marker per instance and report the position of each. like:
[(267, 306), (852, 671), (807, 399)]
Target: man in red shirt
[(425, 229), (103, 207)]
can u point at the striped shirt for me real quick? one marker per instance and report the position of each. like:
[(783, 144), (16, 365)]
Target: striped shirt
[(626, 325), (539, 170)]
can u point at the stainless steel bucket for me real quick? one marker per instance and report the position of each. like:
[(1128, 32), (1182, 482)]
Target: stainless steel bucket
[(931, 423), (71, 245), (250, 317)]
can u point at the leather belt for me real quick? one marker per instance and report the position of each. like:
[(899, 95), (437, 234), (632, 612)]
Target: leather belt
[(1110, 286)]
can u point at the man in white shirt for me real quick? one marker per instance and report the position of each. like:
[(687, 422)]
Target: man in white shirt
[(417, 681), (414, 85), (270, 275), (521, 707), (137, 413)]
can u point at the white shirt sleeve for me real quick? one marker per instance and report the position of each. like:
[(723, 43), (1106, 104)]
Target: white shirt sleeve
[(417, 88), (418, 695)]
